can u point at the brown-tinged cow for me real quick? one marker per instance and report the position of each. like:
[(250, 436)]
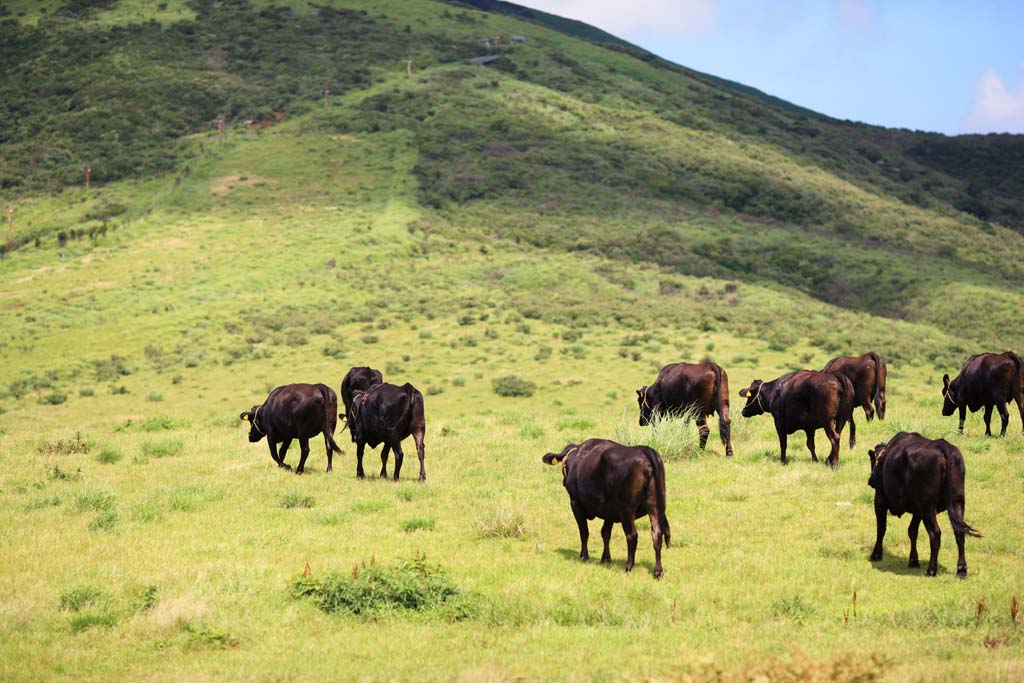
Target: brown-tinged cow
[(867, 373), (986, 380), (805, 400), (700, 387), (618, 484), (387, 414), (921, 476), (295, 411)]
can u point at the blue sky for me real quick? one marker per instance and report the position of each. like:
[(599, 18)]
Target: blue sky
[(952, 67)]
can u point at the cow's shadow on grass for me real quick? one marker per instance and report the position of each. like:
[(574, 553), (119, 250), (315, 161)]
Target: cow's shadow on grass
[(897, 564), (618, 563)]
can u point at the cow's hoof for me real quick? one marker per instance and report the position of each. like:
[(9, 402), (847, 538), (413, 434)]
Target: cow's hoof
[(423, 477), (299, 471), (931, 571), (728, 454), (329, 470), (658, 573), (629, 568), (913, 563), (286, 467), (875, 557), (606, 560), (360, 475), (961, 573)]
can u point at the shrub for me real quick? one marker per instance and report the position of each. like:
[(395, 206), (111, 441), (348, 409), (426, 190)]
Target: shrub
[(86, 392), (370, 339), (513, 385), (294, 499), (82, 622), (419, 524), (412, 585), (155, 396), (458, 381), (55, 473), (43, 502), (105, 521), (501, 523), (434, 390), (81, 596), (95, 500), (71, 446)]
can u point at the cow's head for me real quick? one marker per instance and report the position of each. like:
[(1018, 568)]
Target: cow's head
[(949, 402), (754, 405), (563, 457), (256, 431), (643, 399), (875, 455)]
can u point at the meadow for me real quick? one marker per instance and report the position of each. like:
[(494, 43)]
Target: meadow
[(575, 219)]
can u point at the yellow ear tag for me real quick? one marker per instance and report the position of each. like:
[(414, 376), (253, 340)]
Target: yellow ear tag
[(245, 417)]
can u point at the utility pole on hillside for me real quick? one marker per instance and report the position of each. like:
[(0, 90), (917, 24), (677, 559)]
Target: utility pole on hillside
[(327, 92), (408, 66), (88, 176), (220, 128), (10, 217)]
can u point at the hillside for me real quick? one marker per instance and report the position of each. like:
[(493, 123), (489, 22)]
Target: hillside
[(577, 214)]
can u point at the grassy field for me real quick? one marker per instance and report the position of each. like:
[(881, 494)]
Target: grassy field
[(577, 218)]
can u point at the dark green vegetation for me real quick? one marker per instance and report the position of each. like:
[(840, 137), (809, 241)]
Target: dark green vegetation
[(526, 243)]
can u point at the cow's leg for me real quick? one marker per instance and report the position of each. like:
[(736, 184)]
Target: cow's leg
[(629, 527), (304, 446), (330, 454), (869, 410), (853, 432), (880, 515), (399, 456), (359, 459), (606, 536), (834, 439), (931, 525), (963, 416), (656, 535), (418, 438), (279, 457), (810, 444), (915, 523), (1019, 398), (961, 562), (988, 420), (702, 427), (725, 429), (581, 523), (384, 453), (782, 441), (1004, 415)]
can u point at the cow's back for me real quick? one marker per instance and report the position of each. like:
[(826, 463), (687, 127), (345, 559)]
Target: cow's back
[(682, 384), (913, 473), (606, 477), (807, 396), (299, 410)]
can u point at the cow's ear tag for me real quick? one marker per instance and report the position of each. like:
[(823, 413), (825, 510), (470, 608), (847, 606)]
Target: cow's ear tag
[(245, 417)]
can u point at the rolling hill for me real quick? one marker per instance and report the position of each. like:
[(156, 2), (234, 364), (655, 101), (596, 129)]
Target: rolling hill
[(576, 213)]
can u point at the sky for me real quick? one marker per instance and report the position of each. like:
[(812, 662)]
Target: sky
[(949, 66)]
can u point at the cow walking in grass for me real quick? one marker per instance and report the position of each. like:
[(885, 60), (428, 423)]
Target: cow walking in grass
[(700, 387), (921, 476), (805, 400), (295, 411), (387, 414), (867, 373), (987, 380), (618, 484)]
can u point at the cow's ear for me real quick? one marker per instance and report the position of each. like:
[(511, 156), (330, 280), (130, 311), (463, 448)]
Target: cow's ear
[(744, 392), (640, 392), (945, 380), (550, 458), (245, 416)]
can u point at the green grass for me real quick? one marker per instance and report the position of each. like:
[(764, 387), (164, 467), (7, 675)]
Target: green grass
[(399, 229)]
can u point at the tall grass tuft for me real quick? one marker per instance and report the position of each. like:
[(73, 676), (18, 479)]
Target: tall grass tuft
[(674, 435)]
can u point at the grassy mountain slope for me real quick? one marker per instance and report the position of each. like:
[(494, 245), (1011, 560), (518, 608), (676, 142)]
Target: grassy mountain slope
[(574, 216)]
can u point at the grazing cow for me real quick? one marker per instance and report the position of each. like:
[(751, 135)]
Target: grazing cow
[(618, 484), (986, 380), (867, 373), (920, 476), (357, 379), (387, 414), (807, 400), (295, 411), (702, 387)]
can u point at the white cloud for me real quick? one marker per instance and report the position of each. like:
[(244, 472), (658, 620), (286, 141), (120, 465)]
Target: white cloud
[(996, 108), (621, 17)]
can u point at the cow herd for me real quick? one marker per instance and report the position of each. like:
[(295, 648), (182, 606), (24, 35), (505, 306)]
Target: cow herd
[(619, 483)]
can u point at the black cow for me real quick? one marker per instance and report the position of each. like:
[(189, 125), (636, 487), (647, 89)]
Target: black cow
[(807, 400), (357, 379), (387, 414), (867, 373), (702, 387), (618, 484), (986, 380), (920, 476), (295, 411)]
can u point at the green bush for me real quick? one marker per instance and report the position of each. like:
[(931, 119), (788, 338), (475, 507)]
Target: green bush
[(513, 385), (419, 524), (295, 499), (407, 586), (82, 596)]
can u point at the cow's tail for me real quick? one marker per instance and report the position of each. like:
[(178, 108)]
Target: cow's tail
[(659, 486), (880, 373), (330, 408), (1020, 367), (722, 406), (414, 402), (846, 403), (954, 460)]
